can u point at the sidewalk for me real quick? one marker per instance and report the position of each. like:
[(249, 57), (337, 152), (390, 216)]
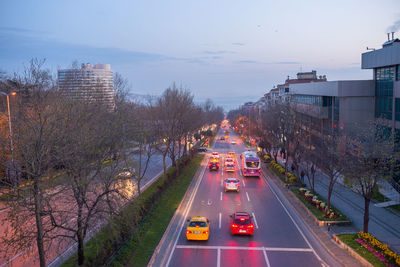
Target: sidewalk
[(383, 224)]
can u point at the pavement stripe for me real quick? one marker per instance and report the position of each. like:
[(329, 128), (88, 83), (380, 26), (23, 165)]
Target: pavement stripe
[(255, 221), (221, 196), (219, 258), (294, 222), (220, 217), (244, 185), (247, 195), (245, 248), (266, 258)]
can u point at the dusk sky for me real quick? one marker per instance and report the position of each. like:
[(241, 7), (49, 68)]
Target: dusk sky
[(229, 51)]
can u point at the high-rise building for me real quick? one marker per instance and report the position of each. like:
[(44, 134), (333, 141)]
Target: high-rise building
[(90, 82)]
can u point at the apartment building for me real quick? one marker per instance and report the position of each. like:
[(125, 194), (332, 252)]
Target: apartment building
[(90, 82)]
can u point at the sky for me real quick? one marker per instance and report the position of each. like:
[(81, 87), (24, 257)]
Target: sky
[(230, 51)]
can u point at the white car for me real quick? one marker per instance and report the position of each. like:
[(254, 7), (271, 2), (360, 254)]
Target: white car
[(126, 173), (215, 155), (233, 142), (231, 184)]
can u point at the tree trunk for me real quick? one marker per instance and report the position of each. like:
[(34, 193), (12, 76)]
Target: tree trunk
[(81, 252), (39, 225), (330, 189), (366, 213), (164, 163)]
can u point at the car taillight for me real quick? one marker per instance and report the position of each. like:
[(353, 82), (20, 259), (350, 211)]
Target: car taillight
[(250, 226), (234, 225), (245, 170), (259, 170), (205, 232), (188, 232)]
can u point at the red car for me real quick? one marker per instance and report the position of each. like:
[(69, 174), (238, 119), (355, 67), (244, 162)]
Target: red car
[(241, 224)]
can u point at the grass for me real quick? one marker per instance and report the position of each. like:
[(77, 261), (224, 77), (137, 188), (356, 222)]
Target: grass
[(378, 196), (139, 254), (350, 240), (317, 213), (395, 207)]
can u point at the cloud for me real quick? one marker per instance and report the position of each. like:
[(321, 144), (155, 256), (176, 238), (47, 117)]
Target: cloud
[(17, 45), (238, 44), (285, 62), (247, 62), (219, 52)]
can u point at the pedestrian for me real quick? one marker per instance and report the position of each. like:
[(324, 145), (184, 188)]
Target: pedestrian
[(302, 176)]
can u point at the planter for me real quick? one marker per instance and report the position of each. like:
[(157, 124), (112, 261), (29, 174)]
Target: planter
[(351, 251)]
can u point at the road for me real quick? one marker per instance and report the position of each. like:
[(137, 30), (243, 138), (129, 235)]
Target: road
[(29, 258), (280, 237)]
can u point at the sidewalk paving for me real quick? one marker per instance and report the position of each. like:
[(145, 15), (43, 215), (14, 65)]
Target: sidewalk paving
[(383, 224)]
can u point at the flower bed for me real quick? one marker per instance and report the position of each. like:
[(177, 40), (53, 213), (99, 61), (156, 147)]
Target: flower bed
[(379, 249), (317, 205), (280, 171)]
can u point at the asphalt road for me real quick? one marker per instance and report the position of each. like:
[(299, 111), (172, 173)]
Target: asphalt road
[(280, 237)]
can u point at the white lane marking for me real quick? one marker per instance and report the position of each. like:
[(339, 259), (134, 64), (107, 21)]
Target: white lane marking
[(191, 199), (222, 173), (247, 195), (244, 185), (294, 222), (266, 258), (222, 182), (220, 218), (245, 248), (219, 258), (255, 220), (221, 196)]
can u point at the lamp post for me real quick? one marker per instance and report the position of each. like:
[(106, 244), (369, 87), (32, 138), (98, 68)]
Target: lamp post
[(9, 122)]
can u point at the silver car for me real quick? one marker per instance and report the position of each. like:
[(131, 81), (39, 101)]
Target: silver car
[(231, 184)]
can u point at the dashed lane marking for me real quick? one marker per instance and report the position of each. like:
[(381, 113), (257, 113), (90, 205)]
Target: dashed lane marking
[(220, 218), (247, 195), (255, 220), (221, 196)]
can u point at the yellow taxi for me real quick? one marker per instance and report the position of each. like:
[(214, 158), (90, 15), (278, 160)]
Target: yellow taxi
[(198, 228)]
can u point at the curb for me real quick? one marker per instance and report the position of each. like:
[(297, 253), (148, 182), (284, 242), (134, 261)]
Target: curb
[(164, 237), (352, 251)]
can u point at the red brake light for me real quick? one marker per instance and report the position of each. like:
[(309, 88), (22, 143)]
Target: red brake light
[(205, 232), (234, 225), (250, 226), (188, 232), (242, 219), (259, 170)]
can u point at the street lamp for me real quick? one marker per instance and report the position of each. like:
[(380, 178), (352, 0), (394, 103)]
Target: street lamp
[(9, 122)]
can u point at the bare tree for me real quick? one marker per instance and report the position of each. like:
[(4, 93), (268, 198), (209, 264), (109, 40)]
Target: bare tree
[(34, 139), (369, 162)]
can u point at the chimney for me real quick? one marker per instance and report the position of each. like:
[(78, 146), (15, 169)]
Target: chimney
[(388, 36), (392, 35)]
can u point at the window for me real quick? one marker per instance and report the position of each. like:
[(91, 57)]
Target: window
[(397, 109), (252, 164)]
